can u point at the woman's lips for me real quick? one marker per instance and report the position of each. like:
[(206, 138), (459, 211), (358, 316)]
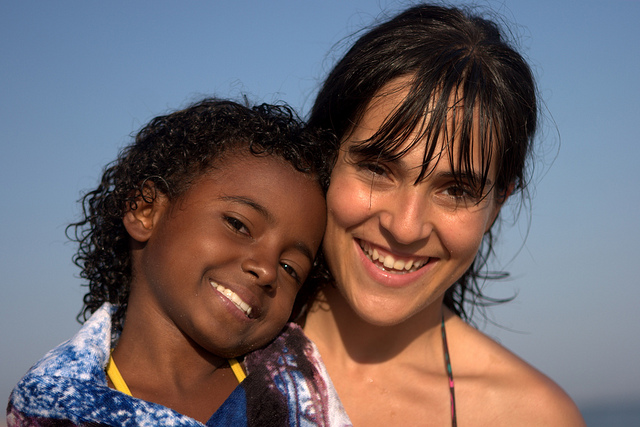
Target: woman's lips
[(390, 263)]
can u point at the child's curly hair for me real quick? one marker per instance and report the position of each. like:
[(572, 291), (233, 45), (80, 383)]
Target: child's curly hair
[(172, 151)]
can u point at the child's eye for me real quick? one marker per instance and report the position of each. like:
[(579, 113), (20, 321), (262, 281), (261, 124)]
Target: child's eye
[(290, 270), (237, 225)]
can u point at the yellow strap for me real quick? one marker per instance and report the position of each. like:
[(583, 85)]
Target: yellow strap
[(118, 382), (236, 367), (114, 375)]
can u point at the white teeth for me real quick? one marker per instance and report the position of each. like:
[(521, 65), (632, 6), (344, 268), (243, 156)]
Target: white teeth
[(233, 297), (389, 262)]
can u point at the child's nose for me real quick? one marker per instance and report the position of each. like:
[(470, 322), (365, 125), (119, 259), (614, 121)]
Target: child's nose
[(263, 271)]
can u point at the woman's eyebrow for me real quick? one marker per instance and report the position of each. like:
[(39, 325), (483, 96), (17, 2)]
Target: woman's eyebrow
[(464, 176)]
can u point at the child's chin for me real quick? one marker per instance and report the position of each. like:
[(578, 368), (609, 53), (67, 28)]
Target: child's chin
[(229, 353)]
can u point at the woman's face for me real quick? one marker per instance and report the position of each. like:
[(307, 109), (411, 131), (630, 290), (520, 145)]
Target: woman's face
[(393, 245)]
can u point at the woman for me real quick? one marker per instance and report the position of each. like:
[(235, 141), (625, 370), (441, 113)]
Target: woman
[(435, 115)]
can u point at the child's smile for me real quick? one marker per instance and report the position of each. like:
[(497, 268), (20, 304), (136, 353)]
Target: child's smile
[(222, 264), (234, 298)]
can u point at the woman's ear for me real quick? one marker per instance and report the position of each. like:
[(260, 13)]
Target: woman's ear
[(144, 214), (504, 195), (501, 198)]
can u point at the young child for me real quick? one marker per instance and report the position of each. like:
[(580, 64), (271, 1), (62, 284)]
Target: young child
[(195, 245)]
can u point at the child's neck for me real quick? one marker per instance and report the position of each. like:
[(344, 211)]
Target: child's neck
[(161, 365)]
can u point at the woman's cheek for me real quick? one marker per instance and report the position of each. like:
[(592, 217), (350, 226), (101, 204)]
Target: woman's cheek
[(347, 202), (462, 236)]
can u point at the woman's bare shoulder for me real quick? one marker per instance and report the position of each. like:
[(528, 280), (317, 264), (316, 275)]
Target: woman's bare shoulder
[(496, 387)]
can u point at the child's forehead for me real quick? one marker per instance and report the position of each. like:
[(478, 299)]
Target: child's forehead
[(243, 157), (240, 165)]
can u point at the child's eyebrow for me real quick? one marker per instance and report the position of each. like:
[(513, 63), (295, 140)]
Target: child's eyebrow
[(304, 249), (251, 203), (300, 246)]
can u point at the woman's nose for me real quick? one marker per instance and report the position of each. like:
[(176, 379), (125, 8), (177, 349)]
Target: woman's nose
[(404, 215), (263, 270)]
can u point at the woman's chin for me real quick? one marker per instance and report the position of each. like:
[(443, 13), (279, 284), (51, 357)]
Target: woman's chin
[(384, 313)]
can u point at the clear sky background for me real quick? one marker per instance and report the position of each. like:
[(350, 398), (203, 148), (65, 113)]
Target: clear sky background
[(77, 78)]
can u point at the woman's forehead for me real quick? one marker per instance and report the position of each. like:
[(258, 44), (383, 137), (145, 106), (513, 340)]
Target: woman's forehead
[(403, 94), (441, 122)]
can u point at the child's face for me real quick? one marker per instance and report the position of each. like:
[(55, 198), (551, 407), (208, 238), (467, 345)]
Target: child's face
[(223, 263)]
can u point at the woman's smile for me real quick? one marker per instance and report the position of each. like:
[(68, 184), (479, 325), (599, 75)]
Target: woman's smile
[(393, 271), (396, 264)]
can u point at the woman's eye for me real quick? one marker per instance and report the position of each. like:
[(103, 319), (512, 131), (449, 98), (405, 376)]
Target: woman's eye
[(237, 225), (290, 271), (461, 192), (374, 168), (457, 192)]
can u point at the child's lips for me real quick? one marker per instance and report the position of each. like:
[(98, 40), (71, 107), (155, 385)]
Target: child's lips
[(244, 306)]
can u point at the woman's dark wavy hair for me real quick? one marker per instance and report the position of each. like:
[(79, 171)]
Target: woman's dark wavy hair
[(458, 67), (172, 151)]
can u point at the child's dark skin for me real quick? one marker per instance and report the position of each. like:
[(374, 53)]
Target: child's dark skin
[(249, 227)]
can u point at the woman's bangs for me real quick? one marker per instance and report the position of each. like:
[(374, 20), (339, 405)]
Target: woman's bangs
[(409, 125), (450, 117), (470, 135)]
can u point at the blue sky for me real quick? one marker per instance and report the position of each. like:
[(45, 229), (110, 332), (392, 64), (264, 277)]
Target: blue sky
[(77, 78)]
